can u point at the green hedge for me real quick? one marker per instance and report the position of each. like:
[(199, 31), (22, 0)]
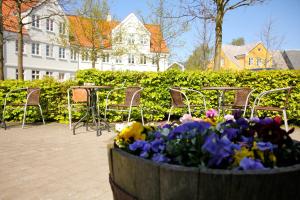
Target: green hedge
[(156, 98)]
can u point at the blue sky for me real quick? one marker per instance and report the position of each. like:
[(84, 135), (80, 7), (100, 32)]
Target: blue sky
[(246, 22)]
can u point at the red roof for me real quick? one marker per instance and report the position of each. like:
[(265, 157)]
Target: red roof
[(9, 10), (81, 29)]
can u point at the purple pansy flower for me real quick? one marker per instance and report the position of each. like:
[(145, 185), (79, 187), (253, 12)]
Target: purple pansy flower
[(250, 164), (263, 146), (160, 158)]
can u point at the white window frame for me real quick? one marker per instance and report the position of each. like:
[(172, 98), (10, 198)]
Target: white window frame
[(118, 59), (35, 74), (143, 59), (85, 56), (105, 58), (49, 51), (62, 53), (49, 24), (17, 47), (251, 61), (35, 49), (144, 40), (61, 76), (49, 74), (259, 62), (73, 55), (131, 39), (35, 21), (130, 59), (62, 28)]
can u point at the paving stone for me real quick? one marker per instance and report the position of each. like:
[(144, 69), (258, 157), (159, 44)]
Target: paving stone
[(49, 162)]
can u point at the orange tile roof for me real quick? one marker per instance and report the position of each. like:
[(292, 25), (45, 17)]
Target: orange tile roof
[(81, 30), (10, 20)]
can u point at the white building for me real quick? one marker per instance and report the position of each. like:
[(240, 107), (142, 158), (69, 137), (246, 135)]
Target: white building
[(130, 45)]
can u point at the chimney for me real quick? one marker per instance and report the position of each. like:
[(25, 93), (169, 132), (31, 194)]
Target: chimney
[(108, 18)]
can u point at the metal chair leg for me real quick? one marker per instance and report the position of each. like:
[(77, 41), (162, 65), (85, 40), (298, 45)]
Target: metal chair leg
[(170, 114), (285, 121), (41, 114), (25, 111)]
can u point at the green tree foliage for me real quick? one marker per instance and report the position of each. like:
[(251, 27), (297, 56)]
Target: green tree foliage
[(199, 59), (238, 41)]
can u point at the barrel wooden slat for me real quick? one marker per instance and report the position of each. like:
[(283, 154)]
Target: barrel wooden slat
[(177, 182), (124, 170), (147, 180)]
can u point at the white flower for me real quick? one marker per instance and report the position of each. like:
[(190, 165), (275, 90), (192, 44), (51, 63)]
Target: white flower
[(120, 126), (186, 118), (229, 117)]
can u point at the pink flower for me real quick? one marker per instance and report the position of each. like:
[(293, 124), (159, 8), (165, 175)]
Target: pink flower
[(211, 113), (186, 118), (229, 117)]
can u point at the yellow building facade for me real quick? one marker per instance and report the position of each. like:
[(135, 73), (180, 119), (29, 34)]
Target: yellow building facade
[(250, 56)]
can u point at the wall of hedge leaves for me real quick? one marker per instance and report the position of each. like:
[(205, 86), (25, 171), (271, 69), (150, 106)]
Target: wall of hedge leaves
[(155, 97)]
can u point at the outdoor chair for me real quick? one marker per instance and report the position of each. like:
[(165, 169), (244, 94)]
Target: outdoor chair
[(132, 99), (241, 100), (32, 99), (76, 97), (181, 100), (258, 100)]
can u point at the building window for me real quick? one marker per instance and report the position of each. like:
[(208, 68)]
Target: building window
[(35, 74), (259, 62), (49, 50), (62, 28), (17, 46), (49, 24), (119, 38), (49, 74), (35, 49), (143, 59), (144, 40), (85, 56), (222, 62), (153, 60), (251, 61), (105, 58), (35, 21), (62, 53), (130, 58), (73, 54), (118, 59), (61, 76), (131, 39)]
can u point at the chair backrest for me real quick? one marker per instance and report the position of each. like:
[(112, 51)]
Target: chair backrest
[(33, 96), (79, 95), (288, 93), (129, 95), (241, 97), (177, 99)]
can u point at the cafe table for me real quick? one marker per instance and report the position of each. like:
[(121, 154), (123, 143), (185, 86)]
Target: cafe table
[(221, 94), (92, 108)]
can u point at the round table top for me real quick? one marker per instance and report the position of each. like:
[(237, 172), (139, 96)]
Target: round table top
[(92, 87), (222, 88)]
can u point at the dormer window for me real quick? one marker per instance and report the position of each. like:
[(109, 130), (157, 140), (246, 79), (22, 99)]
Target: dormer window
[(35, 21), (131, 39)]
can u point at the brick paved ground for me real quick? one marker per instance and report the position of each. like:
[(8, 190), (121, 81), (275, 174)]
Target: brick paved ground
[(48, 162)]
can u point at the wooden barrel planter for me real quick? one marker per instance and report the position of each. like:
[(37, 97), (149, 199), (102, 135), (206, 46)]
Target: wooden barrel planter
[(132, 177)]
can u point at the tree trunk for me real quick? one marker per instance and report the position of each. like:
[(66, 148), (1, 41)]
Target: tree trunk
[(20, 55), (218, 36), (1, 44)]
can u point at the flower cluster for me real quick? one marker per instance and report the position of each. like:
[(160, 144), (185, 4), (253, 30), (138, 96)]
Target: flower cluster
[(236, 143)]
